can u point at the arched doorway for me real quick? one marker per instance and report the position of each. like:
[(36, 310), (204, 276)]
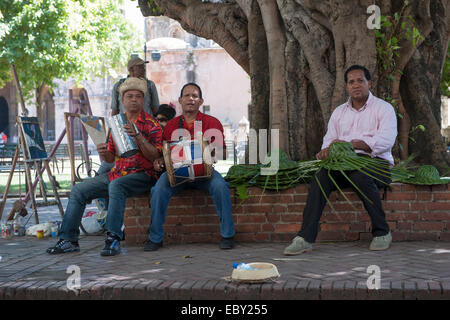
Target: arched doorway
[(4, 118)]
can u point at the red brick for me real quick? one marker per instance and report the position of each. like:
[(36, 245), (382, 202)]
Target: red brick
[(130, 221), (210, 219), (396, 206), (404, 225), (392, 216), (181, 201), (441, 196), (402, 196), (254, 191), (189, 219), (268, 227), (351, 236), (143, 221), (347, 217), (444, 236), (273, 217), (197, 210), (335, 227), (397, 187), (258, 209), (428, 226), (205, 228), (438, 206), (175, 211), (439, 187), (424, 196), (287, 227), (254, 227), (436, 216), (142, 202), (418, 206), (280, 208), (129, 203), (392, 225), (295, 208), (346, 207), (291, 217), (358, 226), (414, 236), (331, 236), (251, 219), (300, 198), (410, 216), (302, 189)]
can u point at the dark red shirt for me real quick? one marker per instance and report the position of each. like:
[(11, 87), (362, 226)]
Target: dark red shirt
[(211, 128), (152, 132)]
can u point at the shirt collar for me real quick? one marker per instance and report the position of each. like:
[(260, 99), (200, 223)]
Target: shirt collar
[(368, 102)]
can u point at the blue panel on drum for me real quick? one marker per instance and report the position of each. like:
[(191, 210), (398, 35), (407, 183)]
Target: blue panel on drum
[(183, 172)]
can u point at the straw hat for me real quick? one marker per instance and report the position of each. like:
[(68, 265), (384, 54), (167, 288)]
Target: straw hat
[(426, 175), (265, 272), (133, 84)]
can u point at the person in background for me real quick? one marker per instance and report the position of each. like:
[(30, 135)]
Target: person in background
[(164, 114)]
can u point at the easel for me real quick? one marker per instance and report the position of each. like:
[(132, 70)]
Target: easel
[(67, 118), (39, 164), (75, 108), (21, 146)]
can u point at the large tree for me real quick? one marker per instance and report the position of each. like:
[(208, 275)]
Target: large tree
[(58, 39), (296, 53)]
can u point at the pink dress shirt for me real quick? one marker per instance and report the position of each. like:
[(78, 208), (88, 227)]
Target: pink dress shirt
[(375, 124)]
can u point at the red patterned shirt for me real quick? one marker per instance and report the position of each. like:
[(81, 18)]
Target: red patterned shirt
[(152, 132)]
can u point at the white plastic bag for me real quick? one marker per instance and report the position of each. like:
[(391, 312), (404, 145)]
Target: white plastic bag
[(90, 223), (46, 227)]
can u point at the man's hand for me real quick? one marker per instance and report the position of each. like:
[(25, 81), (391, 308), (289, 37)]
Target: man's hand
[(360, 145), (323, 154), (103, 152), (129, 128), (158, 164)]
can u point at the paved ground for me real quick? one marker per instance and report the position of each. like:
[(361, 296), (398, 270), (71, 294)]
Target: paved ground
[(409, 270)]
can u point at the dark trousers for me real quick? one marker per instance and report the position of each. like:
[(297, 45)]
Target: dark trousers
[(316, 201)]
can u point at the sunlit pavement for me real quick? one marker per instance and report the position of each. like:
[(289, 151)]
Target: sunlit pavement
[(345, 270)]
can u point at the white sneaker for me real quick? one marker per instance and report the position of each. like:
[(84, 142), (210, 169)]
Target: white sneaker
[(298, 246)]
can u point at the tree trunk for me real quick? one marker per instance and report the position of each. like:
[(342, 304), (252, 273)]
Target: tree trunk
[(296, 52)]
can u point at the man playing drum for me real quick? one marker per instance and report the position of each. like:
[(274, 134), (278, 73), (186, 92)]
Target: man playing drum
[(192, 122), (130, 176)]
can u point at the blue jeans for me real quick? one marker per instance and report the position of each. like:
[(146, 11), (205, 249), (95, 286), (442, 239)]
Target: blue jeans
[(162, 192), (99, 187), (105, 167)]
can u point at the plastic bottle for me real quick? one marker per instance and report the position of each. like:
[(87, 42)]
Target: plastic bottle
[(243, 266)]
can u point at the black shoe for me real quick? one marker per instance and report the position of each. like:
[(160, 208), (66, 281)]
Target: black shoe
[(64, 246), (226, 243), (151, 246), (112, 245)]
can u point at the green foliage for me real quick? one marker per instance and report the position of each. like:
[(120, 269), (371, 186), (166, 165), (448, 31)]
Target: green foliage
[(445, 80), (394, 29), (48, 39)]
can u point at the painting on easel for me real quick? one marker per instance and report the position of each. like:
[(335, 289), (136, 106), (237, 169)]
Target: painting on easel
[(34, 143)]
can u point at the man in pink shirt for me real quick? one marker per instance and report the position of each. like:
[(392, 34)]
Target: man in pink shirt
[(370, 125)]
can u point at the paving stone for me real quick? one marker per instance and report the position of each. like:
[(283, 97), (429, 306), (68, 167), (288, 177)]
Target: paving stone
[(409, 270)]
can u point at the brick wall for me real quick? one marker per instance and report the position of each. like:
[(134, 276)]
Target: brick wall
[(413, 213)]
